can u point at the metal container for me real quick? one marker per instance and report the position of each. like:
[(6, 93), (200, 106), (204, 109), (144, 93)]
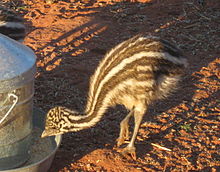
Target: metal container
[(17, 71), (44, 163)]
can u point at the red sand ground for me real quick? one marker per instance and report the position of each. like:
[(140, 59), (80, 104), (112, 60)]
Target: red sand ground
[(70, 37)]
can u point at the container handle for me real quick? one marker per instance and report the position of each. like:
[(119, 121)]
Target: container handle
[(11, 108)]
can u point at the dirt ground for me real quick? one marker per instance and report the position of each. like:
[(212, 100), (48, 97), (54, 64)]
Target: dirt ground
[(70, 37)]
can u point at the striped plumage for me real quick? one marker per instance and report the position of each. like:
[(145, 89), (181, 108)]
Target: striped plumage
[(11, 24), (134, 73)]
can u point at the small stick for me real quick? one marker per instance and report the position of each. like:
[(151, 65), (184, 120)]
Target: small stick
[(161, 147), (207, 18), (192, 25)]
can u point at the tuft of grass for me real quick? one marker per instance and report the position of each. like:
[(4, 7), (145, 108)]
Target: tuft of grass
[(24, 8), (187, 127)]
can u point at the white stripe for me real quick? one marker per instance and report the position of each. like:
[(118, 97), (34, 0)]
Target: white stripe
[(142, 68), (12, 24), (125, 62), (76, 118), (98, 70), (74, 115)]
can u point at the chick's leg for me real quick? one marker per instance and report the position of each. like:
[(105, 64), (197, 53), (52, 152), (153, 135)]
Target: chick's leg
[(124, 129), (130, 148)]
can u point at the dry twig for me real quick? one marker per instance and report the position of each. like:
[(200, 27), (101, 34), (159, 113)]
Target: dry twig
[(161, 147)]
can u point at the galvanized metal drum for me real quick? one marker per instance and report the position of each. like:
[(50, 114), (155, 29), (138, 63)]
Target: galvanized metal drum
[(17, 71)]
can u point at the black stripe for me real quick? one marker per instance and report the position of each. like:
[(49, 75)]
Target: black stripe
[(171, 49)]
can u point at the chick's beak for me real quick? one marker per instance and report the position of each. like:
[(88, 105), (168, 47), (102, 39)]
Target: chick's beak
[(43, 134), (46, 133), (50, 132)]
